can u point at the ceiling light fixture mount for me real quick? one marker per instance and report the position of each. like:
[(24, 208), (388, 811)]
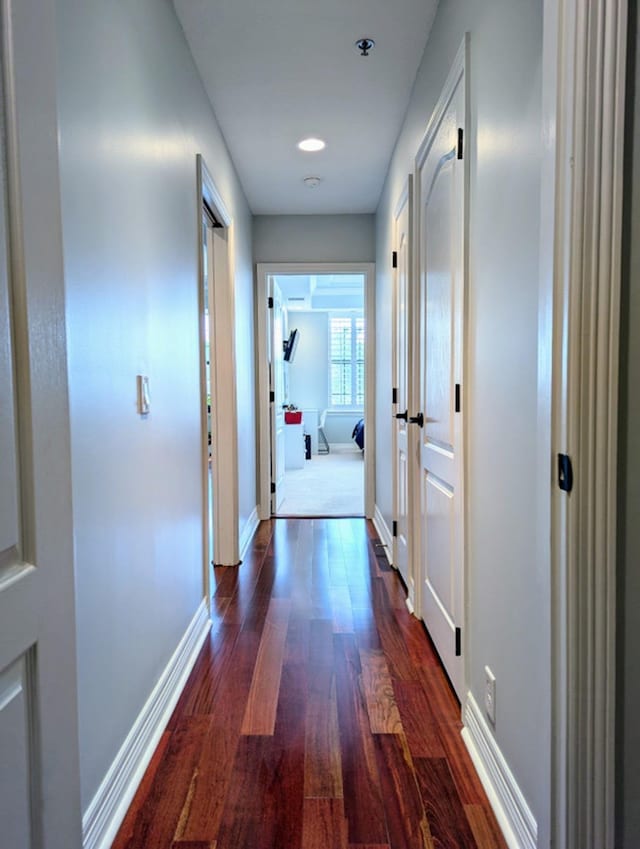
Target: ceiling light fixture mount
[(364, 45), (312, 144), (312, 182)]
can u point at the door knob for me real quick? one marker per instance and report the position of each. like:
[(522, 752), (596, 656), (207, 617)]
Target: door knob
[(403, 416), (419, 420)]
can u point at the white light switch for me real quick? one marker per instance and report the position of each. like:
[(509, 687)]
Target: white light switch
[(144, 402)]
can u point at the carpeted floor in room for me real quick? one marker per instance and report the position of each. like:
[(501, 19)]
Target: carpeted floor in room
[(328, 485)]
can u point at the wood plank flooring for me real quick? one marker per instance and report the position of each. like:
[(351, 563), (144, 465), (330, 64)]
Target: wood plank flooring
[(317, 715)]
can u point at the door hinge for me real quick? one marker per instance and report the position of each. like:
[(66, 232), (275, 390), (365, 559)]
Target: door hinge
[(457, 401), (272, 397), (270, 303), (273, 488), (565, 473), (394, 528), (458, 642), (460, 142), (394, 259), (394, 395)]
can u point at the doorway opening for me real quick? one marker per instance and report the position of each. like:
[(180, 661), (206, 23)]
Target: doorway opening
[(218, 392), (316, 390)]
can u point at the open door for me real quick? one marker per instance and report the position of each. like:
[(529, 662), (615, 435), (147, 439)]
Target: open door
[(277, 396), (441, 266), (401, 335), (39, 772)]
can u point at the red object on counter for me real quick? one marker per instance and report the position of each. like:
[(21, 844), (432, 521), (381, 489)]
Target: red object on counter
[(292, 416)]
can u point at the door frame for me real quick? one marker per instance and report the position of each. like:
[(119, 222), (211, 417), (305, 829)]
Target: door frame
[(224, 417), (584, 65), (406, 197), (263, 271)]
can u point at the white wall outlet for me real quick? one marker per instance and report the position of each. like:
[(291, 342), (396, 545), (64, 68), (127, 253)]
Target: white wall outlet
[(144, 401), (490, 694)]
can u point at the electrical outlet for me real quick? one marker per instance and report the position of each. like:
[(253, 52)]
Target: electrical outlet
[(490, 694)]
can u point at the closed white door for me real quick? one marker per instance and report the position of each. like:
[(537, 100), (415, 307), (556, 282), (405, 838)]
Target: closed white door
[(276, 362), (39, 781), (441, 240), (401, 312)]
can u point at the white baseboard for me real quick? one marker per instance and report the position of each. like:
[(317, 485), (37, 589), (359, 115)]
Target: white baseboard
[(509, 805), (108, 807), (384, 533), (248, 531)]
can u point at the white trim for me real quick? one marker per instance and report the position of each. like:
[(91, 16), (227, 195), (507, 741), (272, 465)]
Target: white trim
[(507, 801), (248, 532), (263, 270), (224, 420), (382, 529), (108, 807), (587, 45)]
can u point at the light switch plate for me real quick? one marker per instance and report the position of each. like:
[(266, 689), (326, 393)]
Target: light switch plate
[(490, 694), (144, 402)]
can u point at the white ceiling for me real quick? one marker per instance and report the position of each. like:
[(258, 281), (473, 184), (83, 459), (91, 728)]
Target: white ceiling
[(303, 292), (277, 71)]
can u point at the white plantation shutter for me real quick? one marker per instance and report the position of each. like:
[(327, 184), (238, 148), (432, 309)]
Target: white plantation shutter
[(346, 361)]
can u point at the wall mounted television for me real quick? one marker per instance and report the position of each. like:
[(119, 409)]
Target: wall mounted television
[(290, 345)]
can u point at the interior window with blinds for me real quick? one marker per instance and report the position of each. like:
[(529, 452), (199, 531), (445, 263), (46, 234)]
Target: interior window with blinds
[(346, 360)]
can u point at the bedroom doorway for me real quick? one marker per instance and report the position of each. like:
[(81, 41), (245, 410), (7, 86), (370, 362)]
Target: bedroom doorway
[(315, 390)]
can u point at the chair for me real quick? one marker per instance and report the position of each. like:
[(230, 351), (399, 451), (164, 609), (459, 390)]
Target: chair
[(323, 443)]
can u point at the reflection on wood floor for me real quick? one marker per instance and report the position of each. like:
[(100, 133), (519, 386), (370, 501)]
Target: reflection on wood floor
[(317, 715)]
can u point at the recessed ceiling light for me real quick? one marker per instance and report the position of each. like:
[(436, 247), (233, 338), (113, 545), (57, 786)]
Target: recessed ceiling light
[(312, 182), (311, 145)]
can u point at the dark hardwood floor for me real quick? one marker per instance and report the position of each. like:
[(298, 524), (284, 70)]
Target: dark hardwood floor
[(317, 715)]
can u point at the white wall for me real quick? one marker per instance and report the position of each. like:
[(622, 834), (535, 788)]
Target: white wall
[(628, 671), (507, 591), (133, 116), (314, 238), (309, 372)]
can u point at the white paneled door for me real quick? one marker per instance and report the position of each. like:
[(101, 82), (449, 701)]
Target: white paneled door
[(276, 367), (39, 781), (401, 335), (441, 268)]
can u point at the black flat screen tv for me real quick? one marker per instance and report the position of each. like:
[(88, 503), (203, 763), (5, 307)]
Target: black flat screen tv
[(290, 346)]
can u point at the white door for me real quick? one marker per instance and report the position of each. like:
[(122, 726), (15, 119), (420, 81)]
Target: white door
[(276, 368), (39, 783), (401, 313), (441, 264)]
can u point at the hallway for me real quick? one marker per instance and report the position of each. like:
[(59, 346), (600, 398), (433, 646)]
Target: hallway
[(317, 715)]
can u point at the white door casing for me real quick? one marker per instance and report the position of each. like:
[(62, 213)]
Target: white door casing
[(276, 373), (440, 190), (402, 317), (224, 407), (39, 773)]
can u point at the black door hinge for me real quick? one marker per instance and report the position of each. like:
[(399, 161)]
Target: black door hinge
[(394, 395), (457, 400), (273, 488), (394, 259), (458, 642), (270, 303), (272, 397), (565, 473), (460, 142), (394, 528)]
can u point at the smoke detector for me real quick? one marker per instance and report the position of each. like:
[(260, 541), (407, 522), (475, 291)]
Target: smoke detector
[(364, 45), (312, 182)]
